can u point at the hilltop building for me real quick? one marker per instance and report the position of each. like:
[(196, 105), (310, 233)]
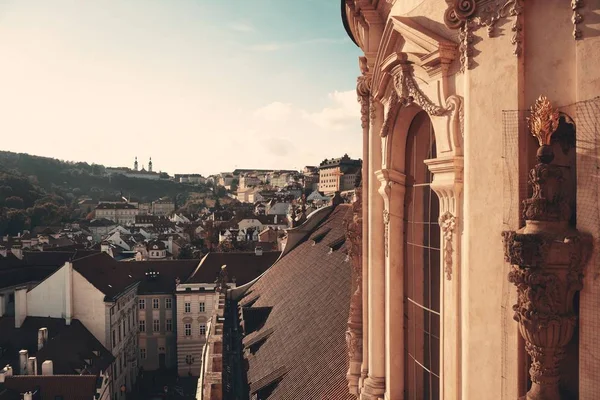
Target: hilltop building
[(338, 174)]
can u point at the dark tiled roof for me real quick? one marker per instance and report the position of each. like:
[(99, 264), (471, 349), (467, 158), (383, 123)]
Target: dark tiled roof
[(34, 267), (168, 272), (244, 267), (68, 346), (308, 287), (71, 387)]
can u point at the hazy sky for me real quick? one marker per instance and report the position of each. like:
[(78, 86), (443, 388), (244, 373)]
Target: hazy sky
[(199, 85)]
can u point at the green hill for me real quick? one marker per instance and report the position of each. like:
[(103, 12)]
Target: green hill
[(38, 191)]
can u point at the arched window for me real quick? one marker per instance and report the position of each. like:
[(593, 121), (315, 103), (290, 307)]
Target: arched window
[(422, 266)]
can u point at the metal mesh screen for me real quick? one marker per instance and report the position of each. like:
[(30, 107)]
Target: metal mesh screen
[(586, 116)]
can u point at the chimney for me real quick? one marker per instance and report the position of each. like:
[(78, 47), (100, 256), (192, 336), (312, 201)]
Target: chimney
[(4, 372), (258, 251), (20, 306), (32, 366), (104, 247), (42, 337), (275, 219), (17, 251), (47, 368), (23, 356), (68, 292), (27, 396)]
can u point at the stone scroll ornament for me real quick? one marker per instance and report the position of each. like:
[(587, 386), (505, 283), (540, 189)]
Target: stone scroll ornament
[(547, 258)]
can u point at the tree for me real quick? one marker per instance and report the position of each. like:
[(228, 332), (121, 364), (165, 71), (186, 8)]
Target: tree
[(186, 253), (14, 202), (234, 184)]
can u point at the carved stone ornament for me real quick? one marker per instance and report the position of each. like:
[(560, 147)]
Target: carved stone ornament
[(386, 232), (363, 92), (547, 258), (576, 18), (458, 12), (353, 225), (447, 223), (467, 18)]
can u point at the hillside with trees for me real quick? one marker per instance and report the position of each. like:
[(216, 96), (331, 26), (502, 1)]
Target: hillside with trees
[(41, 191)]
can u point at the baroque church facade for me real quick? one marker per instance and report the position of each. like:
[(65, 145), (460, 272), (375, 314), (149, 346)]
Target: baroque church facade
[(477, 272)]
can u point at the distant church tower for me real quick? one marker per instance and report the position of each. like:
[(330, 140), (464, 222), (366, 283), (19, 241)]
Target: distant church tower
[(135, 165), (150, 165)]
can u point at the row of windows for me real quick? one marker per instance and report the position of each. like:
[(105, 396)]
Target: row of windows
[(155, 304), (156, 325), (187, 307), (188, 329), (124, 327)]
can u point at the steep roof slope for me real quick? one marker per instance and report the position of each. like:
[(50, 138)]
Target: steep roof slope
[(244, 267), (295, 319)]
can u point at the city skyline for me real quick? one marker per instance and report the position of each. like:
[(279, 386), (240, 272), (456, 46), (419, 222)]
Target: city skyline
[(105, 83)]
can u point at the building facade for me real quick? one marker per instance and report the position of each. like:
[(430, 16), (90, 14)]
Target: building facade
[(121, 213), (439, 289), (338, 174)]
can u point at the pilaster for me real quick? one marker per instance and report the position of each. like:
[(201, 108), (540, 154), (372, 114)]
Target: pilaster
[(447, 183), (374, 384), (392, 188)]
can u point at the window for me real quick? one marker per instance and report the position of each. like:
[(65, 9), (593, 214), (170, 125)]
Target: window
[(142, 325), (168, 303), (188, 329), (187, 307), (189, 359), (143, 354), (114, 338), (155, 304), (120, 333), (202, 306), (422, 266), (156, 325), (142, 304), (112, 310), (202, 329), (169, 326)]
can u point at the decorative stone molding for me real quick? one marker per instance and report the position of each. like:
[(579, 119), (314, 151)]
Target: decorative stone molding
[(467, 16), (354, 334), (386, 232), (458, 12), (363, 92), (576, 18), (447, 223), (547, 258)]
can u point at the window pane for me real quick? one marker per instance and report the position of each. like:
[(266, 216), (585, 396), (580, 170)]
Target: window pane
[(422, 267)]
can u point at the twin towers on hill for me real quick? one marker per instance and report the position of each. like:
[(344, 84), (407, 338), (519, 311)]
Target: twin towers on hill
[(135, 165)]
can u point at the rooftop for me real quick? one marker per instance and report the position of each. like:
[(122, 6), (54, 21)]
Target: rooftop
[(308, 287)]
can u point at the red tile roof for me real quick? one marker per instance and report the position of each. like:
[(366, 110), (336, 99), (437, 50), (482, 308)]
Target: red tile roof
[(302, 351)]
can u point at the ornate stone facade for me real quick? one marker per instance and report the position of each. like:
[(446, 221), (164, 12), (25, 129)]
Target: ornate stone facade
[(433, 71), (547, 258)]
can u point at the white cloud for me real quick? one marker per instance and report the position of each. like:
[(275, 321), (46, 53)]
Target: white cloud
[(343, 112), (241, 27), (275, 46), (274, 112), (266, 47)]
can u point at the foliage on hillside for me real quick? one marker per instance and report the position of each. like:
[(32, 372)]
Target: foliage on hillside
[(40, 191)]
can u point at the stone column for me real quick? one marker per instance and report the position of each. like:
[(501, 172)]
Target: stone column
[(547, 258), (374, 384), (447, 183), (392, 190)]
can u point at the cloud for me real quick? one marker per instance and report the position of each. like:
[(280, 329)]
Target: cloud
[(344, 111), (278, 146), (275, 46), (241, 27), (274, 112)]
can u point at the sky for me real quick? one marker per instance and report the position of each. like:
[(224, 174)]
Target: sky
[(201, 86)]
